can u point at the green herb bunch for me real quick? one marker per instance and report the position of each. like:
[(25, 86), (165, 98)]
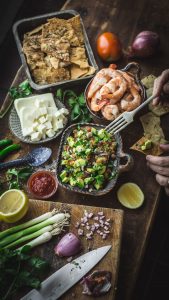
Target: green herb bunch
[(15, 178), (23, 90), (77, 105), (17, 270)]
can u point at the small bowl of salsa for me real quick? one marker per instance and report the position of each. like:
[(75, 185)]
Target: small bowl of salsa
[(42, 184)]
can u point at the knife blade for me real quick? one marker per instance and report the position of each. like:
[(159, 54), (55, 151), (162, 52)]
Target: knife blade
[(63, 279)]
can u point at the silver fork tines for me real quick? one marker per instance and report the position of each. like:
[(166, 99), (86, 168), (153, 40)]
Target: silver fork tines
[(125, 118)]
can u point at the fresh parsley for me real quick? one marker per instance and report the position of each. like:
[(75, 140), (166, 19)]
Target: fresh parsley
[(76, 104), (23, 90), (17, 270), (15, 178)]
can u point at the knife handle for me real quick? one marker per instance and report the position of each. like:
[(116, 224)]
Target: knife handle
[(33, 295)]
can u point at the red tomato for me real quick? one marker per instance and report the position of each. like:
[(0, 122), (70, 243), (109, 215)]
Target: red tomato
[(109, 46)]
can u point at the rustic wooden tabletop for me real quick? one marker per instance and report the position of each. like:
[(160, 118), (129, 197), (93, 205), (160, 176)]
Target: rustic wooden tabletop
[(126, 18)]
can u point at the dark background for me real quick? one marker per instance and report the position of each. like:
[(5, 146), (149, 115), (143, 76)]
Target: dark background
[(153, 280)]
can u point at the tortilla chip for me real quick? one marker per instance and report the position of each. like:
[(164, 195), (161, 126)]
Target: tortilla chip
[(160, 109), (150, 123), (148, 81), (77, 72), (76, 24), (155, 149)]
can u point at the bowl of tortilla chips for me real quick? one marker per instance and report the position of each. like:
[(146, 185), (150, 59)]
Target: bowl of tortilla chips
[(54, 49)]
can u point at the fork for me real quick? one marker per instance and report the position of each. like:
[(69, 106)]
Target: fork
[(125, 118)]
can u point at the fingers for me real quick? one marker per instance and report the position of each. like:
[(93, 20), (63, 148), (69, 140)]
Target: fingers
[(167, 191), (165, 147), (158, 85), (158, 169), (166, 88), (161, 161), (162, 180)]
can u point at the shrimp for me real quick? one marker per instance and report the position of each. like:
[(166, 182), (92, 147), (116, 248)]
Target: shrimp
[(110, 112), (130, 80), (101, 78), (129, 103), (96, 104), (114, 89)]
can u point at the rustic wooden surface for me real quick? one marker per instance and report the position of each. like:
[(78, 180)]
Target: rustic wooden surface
[(109, 263), (126, 18)]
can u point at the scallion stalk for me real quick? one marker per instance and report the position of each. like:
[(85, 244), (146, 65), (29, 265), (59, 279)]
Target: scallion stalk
[(27, 224), (45, 237), (30, 236), (60, 219)]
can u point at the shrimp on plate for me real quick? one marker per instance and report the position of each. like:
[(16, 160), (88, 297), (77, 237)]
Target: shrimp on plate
[(114, 89), (130, 80), (96, 103), (131, 101), (110, 112), (101, 78)]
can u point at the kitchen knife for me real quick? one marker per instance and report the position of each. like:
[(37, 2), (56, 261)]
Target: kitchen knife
[(63, 279)]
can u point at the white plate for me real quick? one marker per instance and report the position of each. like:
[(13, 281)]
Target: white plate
[(15, 126)]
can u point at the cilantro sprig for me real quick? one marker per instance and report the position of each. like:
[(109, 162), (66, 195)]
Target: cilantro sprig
[(76, 104), (17, 270), (24, 89)]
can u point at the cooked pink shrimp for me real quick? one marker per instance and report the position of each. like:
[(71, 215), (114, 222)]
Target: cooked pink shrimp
[(114, 89), (130, 80), (101, 78), (129, 104), (96, 104), (110, 112)]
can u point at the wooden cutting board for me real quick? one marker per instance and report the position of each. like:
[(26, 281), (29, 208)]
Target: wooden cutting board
[(110, 262)]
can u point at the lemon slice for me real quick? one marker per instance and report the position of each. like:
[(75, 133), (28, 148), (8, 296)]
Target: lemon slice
[(13, 205), (130, 195)]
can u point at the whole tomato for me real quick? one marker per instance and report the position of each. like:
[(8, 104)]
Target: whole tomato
[(109, 47)]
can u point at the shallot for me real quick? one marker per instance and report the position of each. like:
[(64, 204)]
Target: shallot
[(69, 245), (145, 44)]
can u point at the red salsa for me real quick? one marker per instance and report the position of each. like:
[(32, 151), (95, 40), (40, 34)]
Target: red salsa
[(42, 184)]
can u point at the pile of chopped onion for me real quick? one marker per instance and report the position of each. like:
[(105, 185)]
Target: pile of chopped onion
[(91, 224)]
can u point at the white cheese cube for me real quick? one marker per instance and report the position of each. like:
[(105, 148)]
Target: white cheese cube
[(50, 133), (36, 136), (41, 128), (49, 117), (64, 120), (64, 111), (58, 114), (48, 125), (58, 125), (42, 120), (35, 125), (43, 136), (43, 110), (52, 110)]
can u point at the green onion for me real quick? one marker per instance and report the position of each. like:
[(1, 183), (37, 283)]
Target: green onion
[(30, 236), (60, 219), (27, 224), (43, 238)]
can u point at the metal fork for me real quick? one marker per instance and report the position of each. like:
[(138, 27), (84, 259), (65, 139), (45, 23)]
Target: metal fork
[(125, 118)]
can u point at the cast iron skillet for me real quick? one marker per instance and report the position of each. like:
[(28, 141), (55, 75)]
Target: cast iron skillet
[(132, 68), (119, 167)]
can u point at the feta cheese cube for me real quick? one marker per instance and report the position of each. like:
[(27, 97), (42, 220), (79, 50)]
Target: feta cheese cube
[(48, 125), (50, 133), (35, 125), (52, 110), (43, 110), (58, 125), (49, 117), (42, 120), (36, 136), (41, 128), (64, 111)]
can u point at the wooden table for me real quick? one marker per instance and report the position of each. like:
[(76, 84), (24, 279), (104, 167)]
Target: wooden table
[(126, 18)]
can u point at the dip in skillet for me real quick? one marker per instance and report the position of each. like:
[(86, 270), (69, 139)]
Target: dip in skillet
[(88, 158)]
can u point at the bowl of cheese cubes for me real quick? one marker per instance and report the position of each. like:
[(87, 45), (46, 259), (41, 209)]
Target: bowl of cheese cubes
[(38, 118)]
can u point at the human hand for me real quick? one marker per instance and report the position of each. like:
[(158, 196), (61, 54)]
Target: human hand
[(161, 84), (160, 165)]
